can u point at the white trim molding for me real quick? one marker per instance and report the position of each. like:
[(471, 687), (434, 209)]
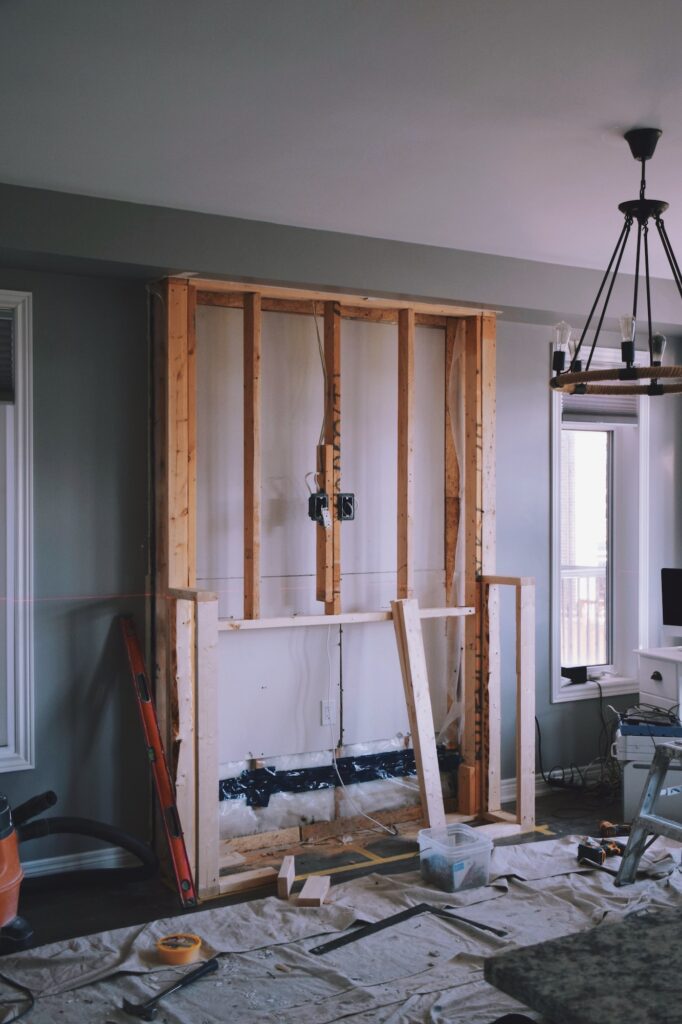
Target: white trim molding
[(612, 684), (18, 753)]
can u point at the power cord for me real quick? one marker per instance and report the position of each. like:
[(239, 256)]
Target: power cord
[(575, 778), (391, 831)]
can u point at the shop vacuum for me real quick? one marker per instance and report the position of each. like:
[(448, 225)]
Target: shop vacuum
[(22, 824)]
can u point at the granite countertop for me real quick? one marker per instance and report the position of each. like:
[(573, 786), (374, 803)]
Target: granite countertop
[(628, 971)]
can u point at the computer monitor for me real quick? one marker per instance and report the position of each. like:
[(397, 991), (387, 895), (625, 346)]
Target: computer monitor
[(671, 592)]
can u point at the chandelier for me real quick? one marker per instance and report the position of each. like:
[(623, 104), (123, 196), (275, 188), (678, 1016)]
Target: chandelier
[(629, 379)]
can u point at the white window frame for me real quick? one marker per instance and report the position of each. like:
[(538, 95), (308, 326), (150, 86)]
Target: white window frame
[(610, 684), (18, 754)]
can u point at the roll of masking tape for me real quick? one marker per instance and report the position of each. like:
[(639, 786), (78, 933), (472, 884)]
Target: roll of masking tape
[(182, 948)]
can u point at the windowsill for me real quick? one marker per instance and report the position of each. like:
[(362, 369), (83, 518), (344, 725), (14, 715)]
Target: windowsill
[(614, 686)]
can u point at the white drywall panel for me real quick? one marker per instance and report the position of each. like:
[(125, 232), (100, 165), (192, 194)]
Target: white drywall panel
[(369, 452), (272, 682), (220, 450)]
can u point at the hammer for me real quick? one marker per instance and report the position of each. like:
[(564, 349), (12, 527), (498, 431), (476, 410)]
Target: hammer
[(147, 1011)]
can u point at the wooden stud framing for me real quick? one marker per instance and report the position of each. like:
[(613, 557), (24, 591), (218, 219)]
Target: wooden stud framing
[(451, 464), (525, 703), (178, 436), (408, 630), (183, 641), (469, 779), (405, 558), (207, 877), (188, 624), (356, 300), (252, 454), (332, 436), (305, 307), (191, 438), (490, 681), (325, 534)]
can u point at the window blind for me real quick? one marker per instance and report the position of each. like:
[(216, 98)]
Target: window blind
[(6, 359), (607, 408)]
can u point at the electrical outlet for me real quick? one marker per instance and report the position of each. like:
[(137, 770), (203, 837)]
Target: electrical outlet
[(328, 712)]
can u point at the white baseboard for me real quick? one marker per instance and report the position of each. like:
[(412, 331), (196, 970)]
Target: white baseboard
[(508, 786), (88, 861)]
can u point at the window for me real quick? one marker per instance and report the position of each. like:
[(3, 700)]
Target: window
[(599, 544), (16, 533), (585, 546)]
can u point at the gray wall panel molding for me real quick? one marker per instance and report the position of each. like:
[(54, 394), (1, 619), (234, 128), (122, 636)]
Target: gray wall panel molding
[(41, 228)]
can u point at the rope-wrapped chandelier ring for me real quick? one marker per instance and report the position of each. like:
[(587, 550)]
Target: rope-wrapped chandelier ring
[(623, 389), (567, 382)]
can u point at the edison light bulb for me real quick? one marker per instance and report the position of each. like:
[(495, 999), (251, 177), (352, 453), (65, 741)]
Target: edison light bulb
[(658, 343), (562, 337), (627, 333)]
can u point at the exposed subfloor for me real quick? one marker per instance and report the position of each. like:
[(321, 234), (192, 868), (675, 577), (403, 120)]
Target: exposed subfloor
[(67, 909)]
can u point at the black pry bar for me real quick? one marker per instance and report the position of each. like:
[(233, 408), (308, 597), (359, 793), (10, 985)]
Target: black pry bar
[(403, 915)]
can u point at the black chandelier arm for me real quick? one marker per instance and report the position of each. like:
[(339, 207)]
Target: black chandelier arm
[(668, 249), (625, 231), (637, 257), (626, 234), (648, 291)]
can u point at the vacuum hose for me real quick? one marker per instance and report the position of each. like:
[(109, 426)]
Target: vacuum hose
[(96, 830)]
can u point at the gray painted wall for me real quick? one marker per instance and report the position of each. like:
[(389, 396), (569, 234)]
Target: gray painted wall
[(90, 459), (90, 381), (569, 731)]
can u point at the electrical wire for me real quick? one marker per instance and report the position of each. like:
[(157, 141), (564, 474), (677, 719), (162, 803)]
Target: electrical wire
[(578, 779), (379, 824)]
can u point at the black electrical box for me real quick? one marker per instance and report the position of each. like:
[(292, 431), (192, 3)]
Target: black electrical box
[(345, 506), (318, 505)]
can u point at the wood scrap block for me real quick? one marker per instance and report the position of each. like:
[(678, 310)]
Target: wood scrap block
[(314, 891), (285, 878), (243, 881)]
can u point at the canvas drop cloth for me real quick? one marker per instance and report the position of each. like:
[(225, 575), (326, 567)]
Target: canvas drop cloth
[(425, 970)]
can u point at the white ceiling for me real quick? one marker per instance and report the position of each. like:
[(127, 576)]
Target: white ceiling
[(490, 125)]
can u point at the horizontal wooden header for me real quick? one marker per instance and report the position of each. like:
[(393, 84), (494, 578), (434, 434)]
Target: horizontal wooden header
[(353, 303)]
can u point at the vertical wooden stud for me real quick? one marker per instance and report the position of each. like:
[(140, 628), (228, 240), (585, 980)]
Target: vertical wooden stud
[(451, 466), (208, 766), (492, 699), (405, 557), (408, 630), (252, 454), (479, 534), (183, 655), (191, 437), (159, 317), (525, 703), (490, 683), (471, 737), (325, 534), (178, 435), (332, 436)]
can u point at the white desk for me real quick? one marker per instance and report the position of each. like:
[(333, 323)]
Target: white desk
[(660, 676)]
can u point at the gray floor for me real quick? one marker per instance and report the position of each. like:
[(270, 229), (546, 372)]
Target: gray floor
[(65, 909)]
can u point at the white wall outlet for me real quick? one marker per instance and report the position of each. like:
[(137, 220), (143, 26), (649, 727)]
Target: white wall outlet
[(328, 712)]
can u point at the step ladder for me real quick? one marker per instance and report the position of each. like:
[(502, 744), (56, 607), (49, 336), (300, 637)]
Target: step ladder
[(646, 823)]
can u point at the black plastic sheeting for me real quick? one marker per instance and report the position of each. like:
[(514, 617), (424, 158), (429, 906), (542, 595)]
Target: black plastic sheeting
[(257, 786)]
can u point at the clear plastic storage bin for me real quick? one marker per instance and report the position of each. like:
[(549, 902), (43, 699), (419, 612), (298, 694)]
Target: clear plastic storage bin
[(454, 857)]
